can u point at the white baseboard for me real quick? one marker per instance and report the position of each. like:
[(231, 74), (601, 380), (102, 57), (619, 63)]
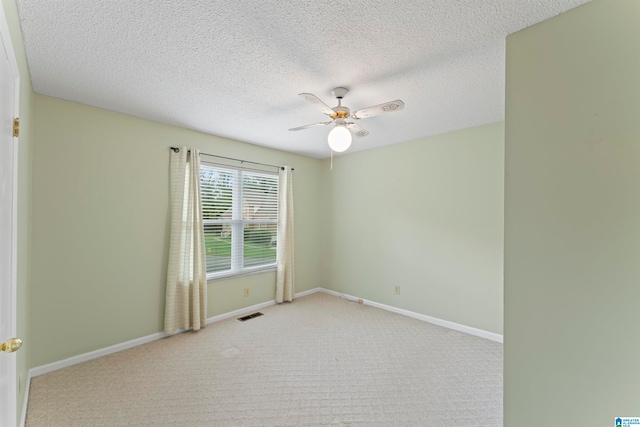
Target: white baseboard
[(440, 322), (54, 366), (238, 312), (309, 292), (74, 360)]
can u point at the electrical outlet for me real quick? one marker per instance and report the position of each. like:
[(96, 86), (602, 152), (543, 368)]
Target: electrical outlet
[(246, 292), (397, 290)]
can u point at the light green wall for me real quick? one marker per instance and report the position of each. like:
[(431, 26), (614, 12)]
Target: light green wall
[(572, 218), (24, 199), (100, 226), (427, 216)]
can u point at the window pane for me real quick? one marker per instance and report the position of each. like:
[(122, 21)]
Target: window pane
[(259, 196), (216, 189), (259, 244), (240, 214), (217, 241)]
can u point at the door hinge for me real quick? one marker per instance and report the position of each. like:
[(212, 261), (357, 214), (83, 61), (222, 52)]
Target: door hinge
[(16, 127)]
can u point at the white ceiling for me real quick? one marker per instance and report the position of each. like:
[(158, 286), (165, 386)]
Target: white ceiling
[(234, 67)]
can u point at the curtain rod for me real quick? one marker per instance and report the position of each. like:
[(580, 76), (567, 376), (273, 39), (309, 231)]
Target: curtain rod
[(177, 150)]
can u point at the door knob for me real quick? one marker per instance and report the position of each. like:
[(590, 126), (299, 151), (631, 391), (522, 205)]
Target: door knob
[(11, 345)]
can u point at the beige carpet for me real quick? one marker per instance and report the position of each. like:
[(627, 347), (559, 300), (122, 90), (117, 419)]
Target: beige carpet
[(321, 360)]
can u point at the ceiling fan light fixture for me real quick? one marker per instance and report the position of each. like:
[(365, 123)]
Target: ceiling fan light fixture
[(339, 139), (342, 133)]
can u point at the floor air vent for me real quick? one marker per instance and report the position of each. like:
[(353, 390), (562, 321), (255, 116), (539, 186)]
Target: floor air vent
[(249, 316)]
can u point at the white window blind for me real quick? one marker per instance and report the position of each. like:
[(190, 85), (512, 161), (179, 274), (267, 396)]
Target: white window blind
[(240, 216)]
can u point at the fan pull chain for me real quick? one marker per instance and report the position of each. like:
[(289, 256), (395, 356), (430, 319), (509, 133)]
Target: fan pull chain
[(331, 158)]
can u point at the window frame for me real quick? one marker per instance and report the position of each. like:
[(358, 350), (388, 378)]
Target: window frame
[(237, 223)]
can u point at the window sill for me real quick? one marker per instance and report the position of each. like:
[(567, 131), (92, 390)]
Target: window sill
[(248, 272)]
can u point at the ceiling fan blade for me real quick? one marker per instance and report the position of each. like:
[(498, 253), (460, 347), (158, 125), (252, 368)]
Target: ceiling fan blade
[(387, 107), (311, 126), (357, 130), (317, 102)]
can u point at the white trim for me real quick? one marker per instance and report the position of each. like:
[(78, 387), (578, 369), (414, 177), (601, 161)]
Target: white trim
[(309, 292), (339, 294), (440, 322), (74, 360), (7, 45), (25, 401), (239, 312), (4, 29), (212, 277), (45, 369), (85, 357)]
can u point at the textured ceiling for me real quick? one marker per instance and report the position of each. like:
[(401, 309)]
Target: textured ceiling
[(235, 68)]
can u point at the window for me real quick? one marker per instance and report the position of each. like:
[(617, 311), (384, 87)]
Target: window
[(240, 215)]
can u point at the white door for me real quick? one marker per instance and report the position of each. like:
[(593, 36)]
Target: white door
[(9, 85)]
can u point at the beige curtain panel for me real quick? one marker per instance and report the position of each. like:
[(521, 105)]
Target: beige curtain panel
[(186, 300), (285, 288)]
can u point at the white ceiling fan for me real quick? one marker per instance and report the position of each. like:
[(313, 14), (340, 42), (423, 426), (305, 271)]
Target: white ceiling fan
[(340, 136)]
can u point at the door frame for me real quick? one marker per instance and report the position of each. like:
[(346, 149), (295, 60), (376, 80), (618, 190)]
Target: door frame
[(7, 45)]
